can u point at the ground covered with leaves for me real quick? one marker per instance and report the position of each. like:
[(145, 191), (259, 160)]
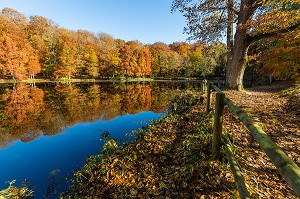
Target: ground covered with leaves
[(169, 159), (276, 108), (172, 158)]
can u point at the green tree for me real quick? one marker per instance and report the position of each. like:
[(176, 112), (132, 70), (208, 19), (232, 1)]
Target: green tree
[(161, 54)]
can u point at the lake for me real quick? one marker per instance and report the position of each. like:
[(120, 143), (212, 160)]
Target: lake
[(47, 130)]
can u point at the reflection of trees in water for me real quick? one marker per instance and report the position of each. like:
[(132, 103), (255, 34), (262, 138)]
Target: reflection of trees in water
[(28, 111), (23, 103), (136, 98), (20, 117)]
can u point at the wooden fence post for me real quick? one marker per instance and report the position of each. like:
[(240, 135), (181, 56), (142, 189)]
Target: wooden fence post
[(209, 96), (218, 120)]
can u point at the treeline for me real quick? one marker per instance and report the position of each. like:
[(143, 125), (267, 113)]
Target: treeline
[(27, 112), (39, 47)]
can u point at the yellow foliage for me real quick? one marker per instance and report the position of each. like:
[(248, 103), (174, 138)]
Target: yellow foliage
[(283, 60), (270, 2)]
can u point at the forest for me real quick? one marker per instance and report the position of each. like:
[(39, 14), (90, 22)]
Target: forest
[(36, 47)]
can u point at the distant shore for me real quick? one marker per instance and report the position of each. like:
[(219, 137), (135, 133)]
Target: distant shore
[(140, 79)]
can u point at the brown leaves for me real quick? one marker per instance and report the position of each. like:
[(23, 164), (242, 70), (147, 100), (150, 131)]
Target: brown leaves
[(281, 59), (265, 106), (171, 160)]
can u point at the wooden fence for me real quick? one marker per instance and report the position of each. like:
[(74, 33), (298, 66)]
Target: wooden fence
[(287, 168)]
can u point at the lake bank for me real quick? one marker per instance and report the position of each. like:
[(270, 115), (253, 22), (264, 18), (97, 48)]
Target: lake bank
[(170, 158), (55, 127), (173, 157), (65, 80)]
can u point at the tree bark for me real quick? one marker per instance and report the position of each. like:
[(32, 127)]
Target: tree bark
[(238, 64), (236, 69)]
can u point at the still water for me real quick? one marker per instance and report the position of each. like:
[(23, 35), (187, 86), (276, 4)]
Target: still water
[(50, 129)]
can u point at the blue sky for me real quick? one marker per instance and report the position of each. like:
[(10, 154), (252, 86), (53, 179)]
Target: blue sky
[(145, 20)]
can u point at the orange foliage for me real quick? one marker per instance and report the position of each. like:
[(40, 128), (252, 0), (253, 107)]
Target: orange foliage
[(23, 104), (283, 60), (29, 111), (38, 47), (12, 60)]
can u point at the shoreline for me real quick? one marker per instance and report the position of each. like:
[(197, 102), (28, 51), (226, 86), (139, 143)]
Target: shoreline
[(29, 81), (170, 158)]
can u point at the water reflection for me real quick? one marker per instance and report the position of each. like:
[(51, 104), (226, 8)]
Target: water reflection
[(48, 127), (27, 112)]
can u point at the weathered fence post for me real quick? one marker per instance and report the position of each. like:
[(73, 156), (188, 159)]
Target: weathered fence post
[(218, 120), (209, 96)]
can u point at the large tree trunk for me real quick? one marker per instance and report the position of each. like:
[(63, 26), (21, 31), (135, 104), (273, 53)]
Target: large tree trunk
[(235, 72), (237, 66)]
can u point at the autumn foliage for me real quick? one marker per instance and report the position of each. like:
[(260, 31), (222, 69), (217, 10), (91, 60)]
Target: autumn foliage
[(282, 57), (243, 22), (38, 47)]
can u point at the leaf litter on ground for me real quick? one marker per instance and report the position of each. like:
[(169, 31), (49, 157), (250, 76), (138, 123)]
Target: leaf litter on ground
[(172, 157)]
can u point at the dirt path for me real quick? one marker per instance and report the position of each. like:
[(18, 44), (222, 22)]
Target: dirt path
[(276, 109)]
